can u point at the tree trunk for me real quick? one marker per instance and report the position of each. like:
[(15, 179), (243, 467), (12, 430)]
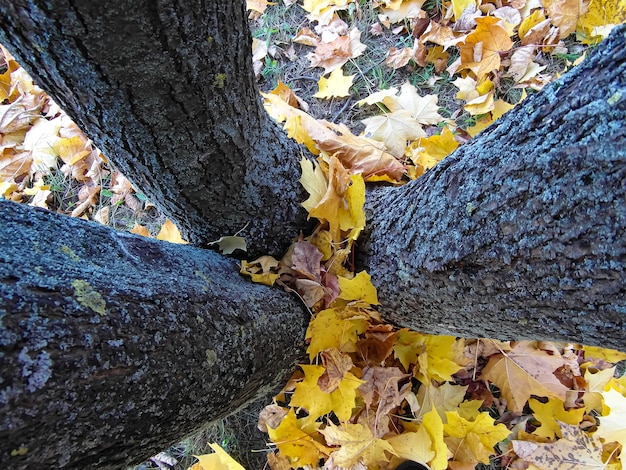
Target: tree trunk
[(108, 340), (113, 346), (166, 89), (520, 233)]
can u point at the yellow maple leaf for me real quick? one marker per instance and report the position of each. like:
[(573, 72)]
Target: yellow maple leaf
[(598, 22), (342, 204), (481, 50), (219, 460), (357, 444), (433, 355), (358, 289), (549, 413), (332, 328), (459, 6), (297, 445), (140, 230), (415, 446), (426, 152), (442, 398), (336, 85), (309, 395), (433, 424), (473, 441), (314, 182), (297, 129), (532, 20), (72, 149), (565, 14), (170, 233), (523, 371), (500, 108), (609, 355)]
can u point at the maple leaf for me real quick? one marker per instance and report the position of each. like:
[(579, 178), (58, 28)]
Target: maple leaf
[(334, 54), (312, 281), (19, 114), (415, 446), (550, 414), (219, 460), (336, 85), (434, 427), (565, 14), (598, 22), (314, 182), (357, 444), (342, 204), (310, 396), (612, 426), (442, 398), (473, 441), (522, 67), (335, 328), (263, 270), (170, 233), (481, 50), (576, 450), (394, 129), (525, 371), (337, 365), (459, 6), (423, 109), (359, 289), (359, 154), (40, 140), (400, 10), (432, 354), (297, 445), (610, 355), (425, 153)]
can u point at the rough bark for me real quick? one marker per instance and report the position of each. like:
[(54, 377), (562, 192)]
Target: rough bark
[(166, 89), (113, 346), (520, 233)]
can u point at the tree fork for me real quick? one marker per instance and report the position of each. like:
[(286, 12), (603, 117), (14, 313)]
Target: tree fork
[(520, 232), (113, 346), (167, 88)]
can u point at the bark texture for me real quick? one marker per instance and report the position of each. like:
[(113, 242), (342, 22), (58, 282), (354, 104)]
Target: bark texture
[(114, 346), (521, 232), (166, 89)]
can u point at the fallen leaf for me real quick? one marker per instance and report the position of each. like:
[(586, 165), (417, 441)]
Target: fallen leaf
[(335, 328), (525, 371), (311, 397), (394, 130), (336, 85), (480, 52), (219, 460), (473, 441), (357, 444), (170, 233), (576, 450), (297, 445), (552, 412)]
